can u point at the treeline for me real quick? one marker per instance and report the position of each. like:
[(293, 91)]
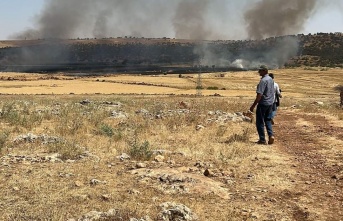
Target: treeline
[(321, 49)]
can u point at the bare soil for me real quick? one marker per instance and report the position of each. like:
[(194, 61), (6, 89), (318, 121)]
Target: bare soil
[(317, 194)]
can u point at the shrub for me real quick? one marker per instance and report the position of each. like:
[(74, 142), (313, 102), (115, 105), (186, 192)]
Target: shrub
[(106, 130), (140, 151)]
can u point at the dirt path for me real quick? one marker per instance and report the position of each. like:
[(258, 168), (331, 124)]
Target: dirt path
[(314, 144)]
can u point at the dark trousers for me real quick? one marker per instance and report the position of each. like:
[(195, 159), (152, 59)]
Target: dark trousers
[(263, 119)]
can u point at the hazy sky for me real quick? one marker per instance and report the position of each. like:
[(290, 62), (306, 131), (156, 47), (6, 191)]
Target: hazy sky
[(19, 15)]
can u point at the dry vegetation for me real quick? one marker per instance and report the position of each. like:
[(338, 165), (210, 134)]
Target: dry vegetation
[(59, 148)]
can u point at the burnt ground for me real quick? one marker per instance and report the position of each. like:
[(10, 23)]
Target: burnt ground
[(318, 193)]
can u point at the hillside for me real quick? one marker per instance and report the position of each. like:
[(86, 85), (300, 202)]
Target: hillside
[(163, 55), (322, 49)]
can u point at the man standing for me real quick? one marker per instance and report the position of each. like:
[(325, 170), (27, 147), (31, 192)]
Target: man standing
[(277, 98), (264, 101)]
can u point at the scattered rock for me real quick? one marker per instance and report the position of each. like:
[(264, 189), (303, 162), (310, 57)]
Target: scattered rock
[(85, 102), (223, 117), (31, 159), (142, 111), (199, 127), (16, 188), (180, 180), (31, 138), (134, 192), (95, 215), (229, 181), (66, 175), (78, 183), (87, 154), (247, 119), (162, 114), (202, 165), (123, 157), (209, 173), (106, 197), (158, 116), (176, 212), (140, 165), (96, 182), (318, 103), (119, 115), (159, 158)]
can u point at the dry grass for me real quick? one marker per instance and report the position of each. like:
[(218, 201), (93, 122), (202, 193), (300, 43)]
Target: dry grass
[(62, 190)]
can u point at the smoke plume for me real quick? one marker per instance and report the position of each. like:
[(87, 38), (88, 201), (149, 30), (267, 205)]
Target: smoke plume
[(189, 21), (186, 19), (182, 19), (278, 17)]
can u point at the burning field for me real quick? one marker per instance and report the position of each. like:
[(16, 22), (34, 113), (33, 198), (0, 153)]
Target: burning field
[(133, 147)]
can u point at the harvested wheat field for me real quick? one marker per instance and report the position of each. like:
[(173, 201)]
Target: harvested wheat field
[(135, 147)]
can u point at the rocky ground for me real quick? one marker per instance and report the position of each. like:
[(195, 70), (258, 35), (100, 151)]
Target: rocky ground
[(300, 177), (81, 157)]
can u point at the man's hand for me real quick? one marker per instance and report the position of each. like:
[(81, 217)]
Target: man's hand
[(252, 108)]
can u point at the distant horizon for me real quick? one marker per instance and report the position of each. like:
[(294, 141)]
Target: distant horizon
[(164, 37)]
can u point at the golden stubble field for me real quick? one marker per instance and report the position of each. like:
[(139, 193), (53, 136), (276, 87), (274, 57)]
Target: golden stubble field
[(64, 142)]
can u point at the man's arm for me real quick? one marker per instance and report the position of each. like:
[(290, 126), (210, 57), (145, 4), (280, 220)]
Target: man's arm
[(258, 98)]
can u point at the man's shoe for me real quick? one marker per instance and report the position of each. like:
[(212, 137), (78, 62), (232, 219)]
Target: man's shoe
[(271, 140), (261, 142)]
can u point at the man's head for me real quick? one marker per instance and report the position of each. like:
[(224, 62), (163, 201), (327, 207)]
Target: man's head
[(263, 70)]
